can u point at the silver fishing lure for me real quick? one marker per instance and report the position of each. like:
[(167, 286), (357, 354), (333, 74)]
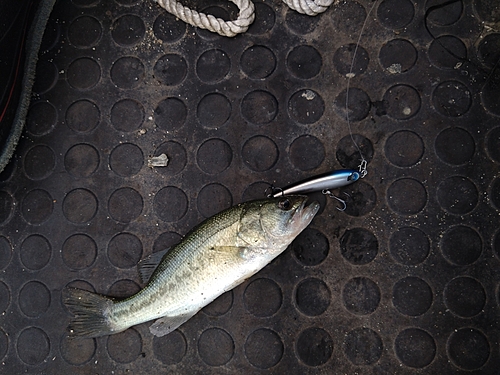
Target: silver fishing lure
[(324, 183)]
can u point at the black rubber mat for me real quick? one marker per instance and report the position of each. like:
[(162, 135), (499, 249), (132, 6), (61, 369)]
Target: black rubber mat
[(405, 281)]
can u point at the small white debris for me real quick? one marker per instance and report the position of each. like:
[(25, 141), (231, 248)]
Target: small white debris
[(394, 69), (309, 94), (158, 161), (142, 131), (406, 111), (350, 75)]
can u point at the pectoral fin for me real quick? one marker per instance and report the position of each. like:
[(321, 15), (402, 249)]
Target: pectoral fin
[(148, 265), (167, 324)]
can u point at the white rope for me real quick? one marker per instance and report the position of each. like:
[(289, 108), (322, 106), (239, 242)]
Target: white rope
[(309, 7), (211, 23)]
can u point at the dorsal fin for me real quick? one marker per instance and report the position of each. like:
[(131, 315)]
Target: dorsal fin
[(147, 266)]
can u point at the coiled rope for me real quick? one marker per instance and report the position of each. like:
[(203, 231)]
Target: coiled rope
[(245, 17)]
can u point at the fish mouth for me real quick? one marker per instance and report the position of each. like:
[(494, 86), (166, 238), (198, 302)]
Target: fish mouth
[(304, 214)]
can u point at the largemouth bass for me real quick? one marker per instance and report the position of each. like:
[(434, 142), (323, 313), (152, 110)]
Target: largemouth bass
[(213, 258)]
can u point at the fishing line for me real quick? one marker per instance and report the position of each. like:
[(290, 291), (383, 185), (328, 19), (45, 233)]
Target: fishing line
[(362, 166)]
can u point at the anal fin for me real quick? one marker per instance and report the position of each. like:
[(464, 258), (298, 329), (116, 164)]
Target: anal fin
[(167, 324), (148, 265)]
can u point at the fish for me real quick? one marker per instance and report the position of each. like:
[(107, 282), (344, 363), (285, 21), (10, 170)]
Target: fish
[(216, 256)]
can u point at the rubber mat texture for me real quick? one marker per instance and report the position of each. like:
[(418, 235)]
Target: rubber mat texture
[(405, 281)]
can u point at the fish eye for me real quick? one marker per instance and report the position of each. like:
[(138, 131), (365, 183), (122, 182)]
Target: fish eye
[(285, 204)]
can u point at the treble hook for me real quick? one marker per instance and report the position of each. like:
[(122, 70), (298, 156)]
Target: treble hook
[(331, 195)]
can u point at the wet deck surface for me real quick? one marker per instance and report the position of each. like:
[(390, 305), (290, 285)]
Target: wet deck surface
[(405, 281)]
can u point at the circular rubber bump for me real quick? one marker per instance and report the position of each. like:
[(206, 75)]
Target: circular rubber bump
[(213, 66), (495, 193), (312, 297), (170, 114), (123, 289), (5, 252), (125, 250), (83, 116), (213, 198), (126, 160), (314, 346), (84, 32), (465, 297), (306, 107), (401, 102), (455, 146), (4, 299), (52, 34), (265, 19), (306, 152), (258, 62), (33, 346), (77, 352), (41, 118), (170, 204), (406, 196), (344, 57), (301, 24), (444, 14), (127, 115), (213, 110), (39, 162), (487, 11), (34, 299), (124, 347), (170, 349), (79, 251), (488, 50), (169, 28), (361, 199), (409, 246), (259, 107), (348, 16), (311, 247), (304, 62), (125, 205), (452, 98), (256, 190), (35, 252), (37, 206), (493, 144), (80, 206), (358, 246), (177, 158), (83, 73), (415, 347), (489, 95), (361, 296), (495, 244), (461, 245), (46, 77), (218, 12), (264, 348), (358, 105), (447, 52), (6, 206), (260, 153), (127, 72), (166, 240), (81, 160), (363, 347), (398, 56), (395, 14), (215, 347), (412, 296), (170, 69), (262, 307), (220, 306), (404, 148), (468, 348), (214, 156), (4, 344), (457, 195), (128, 30)]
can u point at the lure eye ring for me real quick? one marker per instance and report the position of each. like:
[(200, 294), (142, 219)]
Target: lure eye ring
[(285, 204)]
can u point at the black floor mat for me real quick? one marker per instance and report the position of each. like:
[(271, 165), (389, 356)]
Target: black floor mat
[(405, 280)]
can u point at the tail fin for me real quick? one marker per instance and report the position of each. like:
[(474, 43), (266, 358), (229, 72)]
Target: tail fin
[(91, 313)]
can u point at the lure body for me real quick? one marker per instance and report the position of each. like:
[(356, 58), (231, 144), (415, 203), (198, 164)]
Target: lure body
[(324, 182)]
